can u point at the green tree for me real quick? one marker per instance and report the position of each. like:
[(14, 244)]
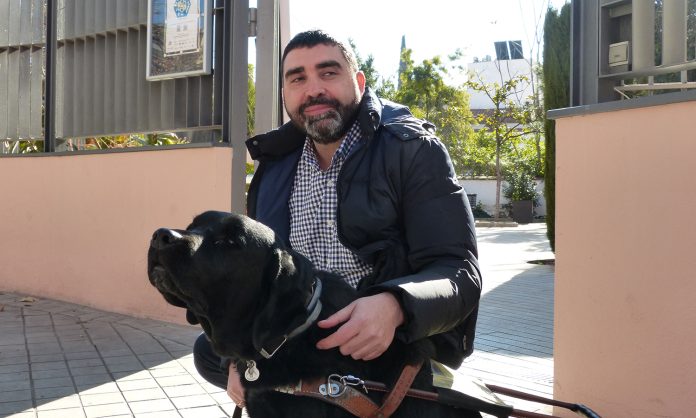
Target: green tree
[(383, 87), (424, 91), (556, 71), (508, 128), (251, 102)]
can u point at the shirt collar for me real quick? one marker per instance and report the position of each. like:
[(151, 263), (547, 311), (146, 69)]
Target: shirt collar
[(353, 135)]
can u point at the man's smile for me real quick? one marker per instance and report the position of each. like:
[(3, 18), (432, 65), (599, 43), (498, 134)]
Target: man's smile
[(318, 109)]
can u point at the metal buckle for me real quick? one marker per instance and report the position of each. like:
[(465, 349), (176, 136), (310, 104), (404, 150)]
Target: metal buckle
[(336, 385), (332, 387)]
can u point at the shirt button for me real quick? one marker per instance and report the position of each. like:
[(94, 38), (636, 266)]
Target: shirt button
[(330, 223)]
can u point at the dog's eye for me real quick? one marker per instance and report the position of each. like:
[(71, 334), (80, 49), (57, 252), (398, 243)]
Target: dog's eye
[(225, 241)]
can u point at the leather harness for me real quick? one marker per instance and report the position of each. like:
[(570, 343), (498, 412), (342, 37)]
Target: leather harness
[(341, 392)]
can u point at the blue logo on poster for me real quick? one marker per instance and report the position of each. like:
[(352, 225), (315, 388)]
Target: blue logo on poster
[(181, 7)]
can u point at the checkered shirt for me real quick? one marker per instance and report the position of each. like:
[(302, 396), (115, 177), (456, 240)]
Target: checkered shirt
[(313, 204)]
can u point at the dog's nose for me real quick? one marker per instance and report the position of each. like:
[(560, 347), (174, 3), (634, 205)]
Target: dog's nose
[(164, 237)]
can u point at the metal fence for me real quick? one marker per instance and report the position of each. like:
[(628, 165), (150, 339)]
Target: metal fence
[(100, 67), (631, 48), (22, 39)]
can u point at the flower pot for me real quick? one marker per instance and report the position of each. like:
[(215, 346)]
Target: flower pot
[(523, 211)]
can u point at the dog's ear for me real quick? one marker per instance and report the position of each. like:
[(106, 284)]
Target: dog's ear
[(289, 279)]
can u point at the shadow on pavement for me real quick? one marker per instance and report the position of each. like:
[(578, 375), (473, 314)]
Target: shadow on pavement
[(78, 361)]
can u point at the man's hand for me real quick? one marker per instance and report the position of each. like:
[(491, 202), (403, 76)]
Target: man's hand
[(234, 386), (368, 328)]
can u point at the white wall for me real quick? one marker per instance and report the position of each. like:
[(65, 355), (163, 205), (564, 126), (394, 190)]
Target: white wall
[(497, 71), (484, 190)]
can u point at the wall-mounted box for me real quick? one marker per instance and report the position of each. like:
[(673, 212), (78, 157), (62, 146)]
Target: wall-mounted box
[(619, 54)]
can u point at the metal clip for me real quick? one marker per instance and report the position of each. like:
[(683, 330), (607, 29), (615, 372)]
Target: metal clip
[(335, 385), (331, 389), (353, 381)]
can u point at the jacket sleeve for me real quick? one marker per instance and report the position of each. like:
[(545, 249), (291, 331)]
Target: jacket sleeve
[(441, 245)]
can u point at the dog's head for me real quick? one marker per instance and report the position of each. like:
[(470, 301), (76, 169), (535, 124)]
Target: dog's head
[(235, 278)]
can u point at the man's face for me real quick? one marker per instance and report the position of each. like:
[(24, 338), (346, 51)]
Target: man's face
[(320, 91)]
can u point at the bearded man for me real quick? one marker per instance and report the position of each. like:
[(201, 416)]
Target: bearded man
[(364, 189)]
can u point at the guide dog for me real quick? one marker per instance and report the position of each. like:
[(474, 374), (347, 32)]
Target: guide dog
[(257, 301)]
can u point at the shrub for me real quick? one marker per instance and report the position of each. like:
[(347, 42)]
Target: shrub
[(520, 186)]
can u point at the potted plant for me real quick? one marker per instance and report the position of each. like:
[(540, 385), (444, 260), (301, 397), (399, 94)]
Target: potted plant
[(520, 191)]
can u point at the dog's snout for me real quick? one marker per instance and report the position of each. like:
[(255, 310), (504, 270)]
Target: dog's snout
[(164, 237)]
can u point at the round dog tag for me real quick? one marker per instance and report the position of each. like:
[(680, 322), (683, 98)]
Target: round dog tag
[(252, 373)]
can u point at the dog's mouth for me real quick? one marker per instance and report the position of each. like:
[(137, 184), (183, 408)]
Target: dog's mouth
[(162, 280), (158, 277)]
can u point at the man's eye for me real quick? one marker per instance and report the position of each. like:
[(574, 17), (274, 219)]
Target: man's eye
[(297, 79)]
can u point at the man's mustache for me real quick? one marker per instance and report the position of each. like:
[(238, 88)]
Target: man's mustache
[(319, 101)]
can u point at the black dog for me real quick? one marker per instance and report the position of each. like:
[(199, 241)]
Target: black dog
[(248, 291)]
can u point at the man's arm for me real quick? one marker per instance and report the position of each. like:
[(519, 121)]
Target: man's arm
[(441, 241), (445, 289)]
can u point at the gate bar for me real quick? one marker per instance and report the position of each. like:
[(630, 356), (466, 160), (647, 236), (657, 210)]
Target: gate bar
[(50, 93)]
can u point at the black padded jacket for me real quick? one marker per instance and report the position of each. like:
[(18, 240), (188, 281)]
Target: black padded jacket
[(400, 209)]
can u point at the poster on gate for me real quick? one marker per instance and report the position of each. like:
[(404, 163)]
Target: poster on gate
[(181, 27), (179, 40)]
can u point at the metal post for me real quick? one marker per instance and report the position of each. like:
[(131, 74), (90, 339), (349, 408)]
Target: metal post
[(235, 47), (674, 32), (643, 34), (267, 67), (50, 89)]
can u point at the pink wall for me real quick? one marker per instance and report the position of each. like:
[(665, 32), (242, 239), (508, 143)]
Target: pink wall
[(625, 303), (77, 227)]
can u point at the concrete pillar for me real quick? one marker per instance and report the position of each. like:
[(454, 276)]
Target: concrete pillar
[(267, 67), (673, 32), (643, 34)]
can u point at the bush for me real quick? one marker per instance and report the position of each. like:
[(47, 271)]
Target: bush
[(520, 186), (479, 212)]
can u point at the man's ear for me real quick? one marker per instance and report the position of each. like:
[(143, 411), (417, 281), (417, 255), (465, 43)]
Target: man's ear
[(284, 308), (360, 77)]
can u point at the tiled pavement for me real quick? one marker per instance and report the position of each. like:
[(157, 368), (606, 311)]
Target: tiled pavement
[(63, 360), (514, 334)]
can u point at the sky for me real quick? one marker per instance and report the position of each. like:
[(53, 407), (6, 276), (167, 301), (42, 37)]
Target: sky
[(376, 26)]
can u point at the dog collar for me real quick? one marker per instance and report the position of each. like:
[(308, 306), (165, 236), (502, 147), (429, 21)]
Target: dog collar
[(313, 308)]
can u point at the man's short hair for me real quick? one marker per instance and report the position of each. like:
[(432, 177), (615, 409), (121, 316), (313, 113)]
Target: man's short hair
[(312, 38)]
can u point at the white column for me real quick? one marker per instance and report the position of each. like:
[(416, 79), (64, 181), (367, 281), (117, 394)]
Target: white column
[(267, 66), (673, 32), (643, 28)]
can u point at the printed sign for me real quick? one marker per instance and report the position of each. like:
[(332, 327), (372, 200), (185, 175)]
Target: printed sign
[(179, 38), (181, 27)]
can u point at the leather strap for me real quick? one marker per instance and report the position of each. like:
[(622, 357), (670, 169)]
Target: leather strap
[(394, 398), (237, 412), (352, 400), (412, 393), (358, 403)]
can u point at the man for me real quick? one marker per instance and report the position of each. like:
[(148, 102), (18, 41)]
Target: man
[(364, 189)]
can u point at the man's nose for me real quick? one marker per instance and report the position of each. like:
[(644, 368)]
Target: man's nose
[(164, 237), (315, 88)]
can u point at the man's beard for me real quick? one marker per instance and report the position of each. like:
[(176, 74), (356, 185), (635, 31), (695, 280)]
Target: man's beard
[(328, 127)]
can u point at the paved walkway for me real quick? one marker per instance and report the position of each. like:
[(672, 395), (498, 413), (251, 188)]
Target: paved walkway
[(63, 360), (514, 337)]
